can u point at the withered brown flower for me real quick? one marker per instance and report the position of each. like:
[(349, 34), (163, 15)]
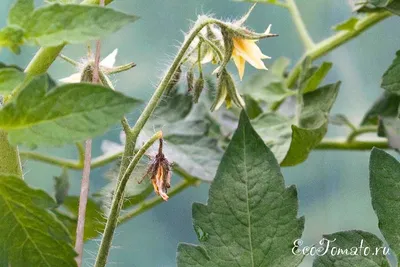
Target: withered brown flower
[(160, 171)]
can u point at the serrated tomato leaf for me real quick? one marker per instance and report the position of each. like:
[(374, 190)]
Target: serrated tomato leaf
[(384, 178), (31, 235), (68, 113), (247, 194), (56, 24)]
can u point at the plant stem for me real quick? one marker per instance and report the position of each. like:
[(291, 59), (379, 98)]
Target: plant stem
[(299, 23), (80, 228), (69, 60), (117, 201), (336, 40), (342, 144), (83, 198), (148, 204), (61, 162), (362, 130)]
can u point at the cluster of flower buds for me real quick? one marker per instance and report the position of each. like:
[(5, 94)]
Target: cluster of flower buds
[(219, 42)]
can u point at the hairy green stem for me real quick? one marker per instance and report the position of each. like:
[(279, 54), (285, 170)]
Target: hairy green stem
[(362, 130), (342, 144), (117, 201), (336, 40), (298, 22)]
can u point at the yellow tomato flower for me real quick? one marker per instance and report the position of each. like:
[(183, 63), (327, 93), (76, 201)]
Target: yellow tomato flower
[(247, 50)]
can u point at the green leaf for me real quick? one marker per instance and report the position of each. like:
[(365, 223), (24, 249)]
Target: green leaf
[(384, 178), (394, 7), (292, 144), (94, 221), (316, 78), (66, 114), (250, 218), (350, 242), (253, 109), (313, 124), (390, 5), (302, 143), (31, 235), (276, 132), (10, 78), (279, 67), (56, 24), (391, 130), (11, 37), (348, 25), (341, 120), (185, 131), (391, 78), (269, 86), (20, 12), (386, 106), (61, 186)]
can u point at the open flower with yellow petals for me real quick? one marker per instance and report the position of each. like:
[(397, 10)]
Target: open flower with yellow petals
[(247, 50)]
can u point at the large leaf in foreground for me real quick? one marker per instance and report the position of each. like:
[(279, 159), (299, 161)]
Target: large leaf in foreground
[(55, 24), (384, 175), (69, 113), (250, 218), (31, 235), (337, 245)]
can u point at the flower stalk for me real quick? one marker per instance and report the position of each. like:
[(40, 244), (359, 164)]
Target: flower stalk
[(117, 202)]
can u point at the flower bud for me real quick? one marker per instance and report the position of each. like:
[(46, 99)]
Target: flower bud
[(221, 94), (174, 81), (226, 91), (87, 74), (198, 88), (190, 80), (232, 91), (239, 31)]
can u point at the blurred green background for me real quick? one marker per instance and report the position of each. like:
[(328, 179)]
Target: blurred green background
[(332, 186)]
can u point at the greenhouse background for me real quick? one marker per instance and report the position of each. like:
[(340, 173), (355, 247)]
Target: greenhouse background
[(332, 186)]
